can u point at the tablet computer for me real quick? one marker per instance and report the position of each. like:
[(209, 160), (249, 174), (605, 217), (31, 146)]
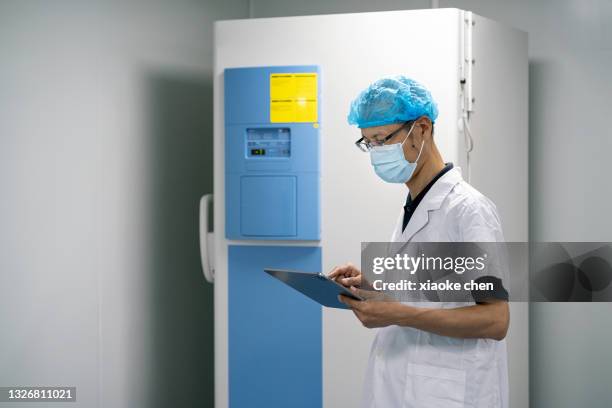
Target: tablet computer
[(316, 286)]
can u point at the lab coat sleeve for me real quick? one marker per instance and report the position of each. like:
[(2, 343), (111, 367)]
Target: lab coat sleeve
[(480, 223)]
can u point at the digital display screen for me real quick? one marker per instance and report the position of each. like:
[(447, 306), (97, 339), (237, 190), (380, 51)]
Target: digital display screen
[(268, 143)]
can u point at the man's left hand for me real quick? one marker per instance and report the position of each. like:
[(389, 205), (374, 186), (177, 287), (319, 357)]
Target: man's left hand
[(375, 310)]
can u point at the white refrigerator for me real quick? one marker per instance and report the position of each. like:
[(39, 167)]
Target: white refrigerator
[(476, 70)]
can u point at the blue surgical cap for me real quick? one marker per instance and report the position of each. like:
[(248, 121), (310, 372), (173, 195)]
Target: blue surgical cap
[(392, 100)]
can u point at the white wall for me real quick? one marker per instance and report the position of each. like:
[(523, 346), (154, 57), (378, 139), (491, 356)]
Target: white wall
[(570, 50), (105, 133)]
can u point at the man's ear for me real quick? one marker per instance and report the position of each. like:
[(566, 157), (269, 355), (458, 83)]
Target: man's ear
[(425, 125)]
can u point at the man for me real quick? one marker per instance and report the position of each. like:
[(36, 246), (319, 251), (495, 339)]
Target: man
[(427, 355)]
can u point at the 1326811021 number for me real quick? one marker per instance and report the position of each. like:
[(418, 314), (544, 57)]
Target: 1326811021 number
[(38, 393)]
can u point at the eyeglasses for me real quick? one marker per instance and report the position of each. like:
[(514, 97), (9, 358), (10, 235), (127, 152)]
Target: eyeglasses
[(366, 145)]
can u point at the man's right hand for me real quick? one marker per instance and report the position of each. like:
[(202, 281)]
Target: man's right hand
[(347, 275)]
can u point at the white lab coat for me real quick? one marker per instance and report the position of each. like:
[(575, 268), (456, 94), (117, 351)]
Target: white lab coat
[(410, 368)]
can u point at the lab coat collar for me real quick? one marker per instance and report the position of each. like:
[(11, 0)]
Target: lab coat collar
[(431, 202)]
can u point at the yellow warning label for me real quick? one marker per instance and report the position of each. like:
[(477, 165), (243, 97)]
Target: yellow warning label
[(293, 97)]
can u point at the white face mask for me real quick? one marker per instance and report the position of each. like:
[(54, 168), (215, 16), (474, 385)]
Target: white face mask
[(390, 164)]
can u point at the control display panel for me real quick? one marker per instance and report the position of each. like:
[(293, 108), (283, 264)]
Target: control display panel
[(266, 143), (272, 153)]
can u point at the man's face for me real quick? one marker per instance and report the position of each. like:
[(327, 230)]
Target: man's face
[(376, 134)]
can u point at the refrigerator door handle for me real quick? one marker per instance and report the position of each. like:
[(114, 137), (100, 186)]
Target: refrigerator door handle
[(207, 240)]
